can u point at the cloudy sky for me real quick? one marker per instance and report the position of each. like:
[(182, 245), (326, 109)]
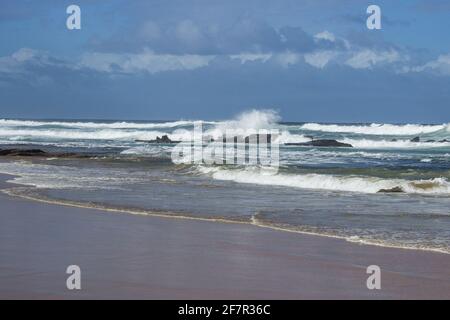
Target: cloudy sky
[(206, 59)]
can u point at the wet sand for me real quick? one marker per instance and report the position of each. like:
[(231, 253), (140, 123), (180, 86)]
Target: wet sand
[(124, 256)]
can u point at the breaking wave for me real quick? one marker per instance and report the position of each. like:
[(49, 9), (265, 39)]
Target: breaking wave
[(95, 125), (393, 144), (62, 134), (361, 184), (377, 129)]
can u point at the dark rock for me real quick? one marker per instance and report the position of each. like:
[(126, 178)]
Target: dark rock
[(259, 138), (394, 140), (416, 139), (69, 155), (22, 152), (392, 190), (321, 143), (40, 153), (445, 140), (234, 139), (163, 139)]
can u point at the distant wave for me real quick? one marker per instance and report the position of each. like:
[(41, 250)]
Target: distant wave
[(33, 130), (397, 144), (124, 132), (361, 184), (67, 134), (95, 125), (377, 129)]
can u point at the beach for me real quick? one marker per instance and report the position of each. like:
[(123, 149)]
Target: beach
[(224, 150), (124, 256)]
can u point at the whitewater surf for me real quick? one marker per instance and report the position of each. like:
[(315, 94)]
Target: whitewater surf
[(391, 188)]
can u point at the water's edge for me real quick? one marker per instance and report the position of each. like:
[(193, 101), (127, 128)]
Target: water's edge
[(19, 193)]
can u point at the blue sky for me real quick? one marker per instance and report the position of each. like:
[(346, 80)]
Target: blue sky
[(207, 59)]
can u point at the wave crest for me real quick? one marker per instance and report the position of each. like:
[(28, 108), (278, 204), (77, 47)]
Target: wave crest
[(377, 129), (360, 184)]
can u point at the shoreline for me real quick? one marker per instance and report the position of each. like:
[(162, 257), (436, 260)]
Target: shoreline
[(9, 189), (167, 215), (132, 256)]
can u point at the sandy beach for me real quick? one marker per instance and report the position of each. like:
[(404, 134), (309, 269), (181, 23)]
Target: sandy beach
[(123, 256)]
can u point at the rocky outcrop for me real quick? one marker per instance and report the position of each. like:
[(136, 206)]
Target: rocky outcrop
[(266, 138), (38, 153), (258, 138), (22, 152), (163, 139), (417, 139), (392, 190), (321, 143)]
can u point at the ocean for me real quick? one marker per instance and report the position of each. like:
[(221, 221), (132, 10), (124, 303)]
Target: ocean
[(330, 191)]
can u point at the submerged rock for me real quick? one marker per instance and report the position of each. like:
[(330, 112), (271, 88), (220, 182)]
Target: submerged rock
[(416, 139), (392, 190), (321, 143)]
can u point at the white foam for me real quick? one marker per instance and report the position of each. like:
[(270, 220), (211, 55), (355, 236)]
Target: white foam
[(64, 177), (361, 184), (246, 123), (397, 144), (252, 119), (376, 128), (149, 150), (95, 125), (287, 137), (105, 134)]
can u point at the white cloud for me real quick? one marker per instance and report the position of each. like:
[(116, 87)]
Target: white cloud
[(15, 62), (319, 59), (23, 62), (441, 65), (251, 57), (25, 54), (146, 61), (17, 66), (8, 64), (325, 35), (366, 58), (287, 58)]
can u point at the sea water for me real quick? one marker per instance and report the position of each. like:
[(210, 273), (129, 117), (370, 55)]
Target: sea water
[(327, 191)]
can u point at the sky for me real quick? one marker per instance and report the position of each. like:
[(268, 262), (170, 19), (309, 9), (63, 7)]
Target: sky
[(311, 60)]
